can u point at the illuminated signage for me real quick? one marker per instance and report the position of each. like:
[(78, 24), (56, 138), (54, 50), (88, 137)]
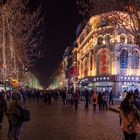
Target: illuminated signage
[(128, 78)]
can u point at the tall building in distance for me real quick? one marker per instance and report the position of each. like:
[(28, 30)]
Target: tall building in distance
[(107, 57)]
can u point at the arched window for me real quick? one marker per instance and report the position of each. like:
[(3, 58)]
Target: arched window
[(135, 60), (124, 59), (107, 39), (122, 38), (129, 39), (100, 40)]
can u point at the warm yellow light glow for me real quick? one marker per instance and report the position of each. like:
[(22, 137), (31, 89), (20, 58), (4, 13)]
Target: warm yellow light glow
[(87, 47), (129, 72), (139, 72), (113, 71), (14, 83), (61, 83), (117, 38), (112, 40)]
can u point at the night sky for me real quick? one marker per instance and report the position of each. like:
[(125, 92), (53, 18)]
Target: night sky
[(62, 21)]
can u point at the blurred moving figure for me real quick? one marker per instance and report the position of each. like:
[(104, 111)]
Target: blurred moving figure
[(129, 117), (14, 116)]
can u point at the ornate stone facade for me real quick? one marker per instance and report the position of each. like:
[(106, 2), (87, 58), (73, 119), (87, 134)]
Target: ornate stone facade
[(107, 57)]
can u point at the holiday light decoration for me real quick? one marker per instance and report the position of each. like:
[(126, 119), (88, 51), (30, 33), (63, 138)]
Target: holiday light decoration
[(25, 26), (20, 38)]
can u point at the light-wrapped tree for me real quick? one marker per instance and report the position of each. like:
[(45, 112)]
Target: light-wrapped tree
[(26, 29)]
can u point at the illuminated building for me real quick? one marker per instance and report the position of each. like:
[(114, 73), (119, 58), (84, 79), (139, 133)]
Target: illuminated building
[(68, 69), (107, 57)]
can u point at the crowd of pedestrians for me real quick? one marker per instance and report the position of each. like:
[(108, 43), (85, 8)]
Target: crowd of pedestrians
[(100, 100), (12, 102), (11, 105)]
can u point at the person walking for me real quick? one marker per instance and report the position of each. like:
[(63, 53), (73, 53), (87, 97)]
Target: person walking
[(76, 98), (68, 98), (45, 97), (111, 98), (104, 101), (100, 101), (63, 94), (128, 118), (94, 100), (3, 109), (14, 115), (49, 97), (71, 99)]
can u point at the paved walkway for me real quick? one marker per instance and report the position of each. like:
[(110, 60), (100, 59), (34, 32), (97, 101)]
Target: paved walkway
[(56, 122)]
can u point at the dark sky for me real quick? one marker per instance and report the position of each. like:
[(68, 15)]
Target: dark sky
[(62, 21)]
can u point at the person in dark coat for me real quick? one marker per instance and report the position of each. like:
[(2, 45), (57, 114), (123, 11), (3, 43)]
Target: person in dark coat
[(64, 97), (76, 98), (3, 108), (111, 98), (14, 116), (100, 101), (104, 101)]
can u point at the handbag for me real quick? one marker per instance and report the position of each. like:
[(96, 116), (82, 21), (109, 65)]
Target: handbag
[(134, 126), (25, 115)]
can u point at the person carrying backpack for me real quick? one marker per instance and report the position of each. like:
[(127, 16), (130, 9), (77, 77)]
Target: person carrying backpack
[(14, 115)]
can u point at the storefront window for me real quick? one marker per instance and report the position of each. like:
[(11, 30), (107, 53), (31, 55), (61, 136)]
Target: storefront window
[(135, 60), (129, 39), (107, 39)]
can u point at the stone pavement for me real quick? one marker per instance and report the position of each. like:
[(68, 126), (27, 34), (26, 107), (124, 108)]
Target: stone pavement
[(58, 122)]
